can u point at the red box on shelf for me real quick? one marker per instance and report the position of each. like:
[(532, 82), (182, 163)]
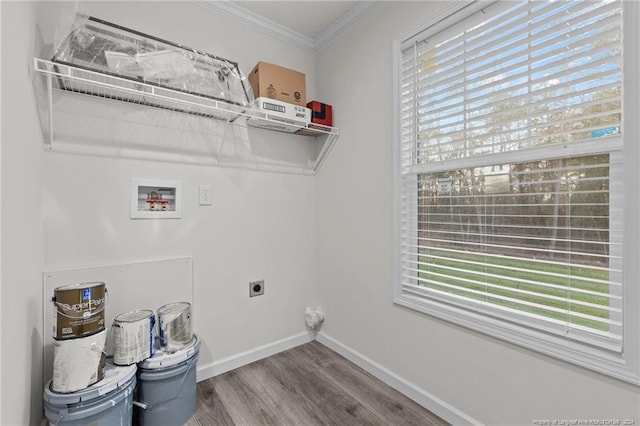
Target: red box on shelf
[(321, 113)]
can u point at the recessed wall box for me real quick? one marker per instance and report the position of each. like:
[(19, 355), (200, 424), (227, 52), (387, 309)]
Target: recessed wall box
[(156, 199), (278, 115)]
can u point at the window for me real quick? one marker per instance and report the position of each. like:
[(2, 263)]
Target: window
[(514, 169)]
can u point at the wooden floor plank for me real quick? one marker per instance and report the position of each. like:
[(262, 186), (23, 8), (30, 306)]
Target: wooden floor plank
[(307, 385), (209, 409), (327, 397), (385, 401), (280, 393), (245, 406)]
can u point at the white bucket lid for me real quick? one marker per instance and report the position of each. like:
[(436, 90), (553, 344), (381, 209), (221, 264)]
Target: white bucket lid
[(114, 377), (162, 359), (134, 316)]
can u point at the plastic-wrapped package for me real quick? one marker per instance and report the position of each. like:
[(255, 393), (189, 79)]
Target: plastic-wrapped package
[(103, 47)]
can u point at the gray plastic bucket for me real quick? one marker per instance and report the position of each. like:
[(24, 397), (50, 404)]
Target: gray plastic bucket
[(106, 403), (166, 393)]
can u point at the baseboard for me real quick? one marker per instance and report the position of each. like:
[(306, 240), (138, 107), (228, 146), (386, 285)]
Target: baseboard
[(227, 364), (411, 391)]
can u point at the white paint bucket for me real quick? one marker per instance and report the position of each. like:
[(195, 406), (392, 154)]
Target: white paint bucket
[(166, 393), (78, 363), (106, 403), (132, 336), (174, 322)]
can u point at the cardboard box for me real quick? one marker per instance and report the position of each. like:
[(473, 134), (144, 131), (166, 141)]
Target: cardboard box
[(321, 113), (280, 83)]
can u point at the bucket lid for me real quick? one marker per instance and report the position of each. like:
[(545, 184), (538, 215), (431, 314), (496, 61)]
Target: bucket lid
[(162, 359), (79, 285), (134, 316), (114, 377), (174, 308)]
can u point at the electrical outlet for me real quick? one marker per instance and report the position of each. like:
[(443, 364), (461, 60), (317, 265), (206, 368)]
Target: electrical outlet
[(256, 288), (205, 195)]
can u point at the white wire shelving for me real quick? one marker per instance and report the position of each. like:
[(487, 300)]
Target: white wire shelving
[(64, 79)]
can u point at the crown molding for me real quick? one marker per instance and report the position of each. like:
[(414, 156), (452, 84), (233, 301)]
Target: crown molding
[(344, 22), (246, 17)]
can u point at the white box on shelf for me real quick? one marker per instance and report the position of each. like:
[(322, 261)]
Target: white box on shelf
[(278, 115), (156, 199)]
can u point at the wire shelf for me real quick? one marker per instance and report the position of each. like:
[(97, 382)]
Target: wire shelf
[(64, 77)]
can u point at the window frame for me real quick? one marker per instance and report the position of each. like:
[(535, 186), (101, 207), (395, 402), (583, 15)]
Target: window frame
[(624, 366)]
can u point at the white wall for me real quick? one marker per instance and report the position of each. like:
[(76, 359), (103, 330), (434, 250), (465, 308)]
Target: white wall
[(22, 159), (259, 227), (0, 222), (64, 211), (491, 381)]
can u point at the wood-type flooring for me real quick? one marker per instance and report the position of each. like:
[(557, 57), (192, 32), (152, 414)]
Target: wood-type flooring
[(307, 385)]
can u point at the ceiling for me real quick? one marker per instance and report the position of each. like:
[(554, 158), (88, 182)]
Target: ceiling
[(309, 24)]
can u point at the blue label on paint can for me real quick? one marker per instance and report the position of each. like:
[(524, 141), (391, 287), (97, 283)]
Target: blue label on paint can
[(152, 323), (86, 294)]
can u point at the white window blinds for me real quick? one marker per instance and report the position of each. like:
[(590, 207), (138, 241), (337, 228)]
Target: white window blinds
[(510, 168)]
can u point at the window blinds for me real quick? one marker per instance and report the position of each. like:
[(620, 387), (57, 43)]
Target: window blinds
[(511, 167)]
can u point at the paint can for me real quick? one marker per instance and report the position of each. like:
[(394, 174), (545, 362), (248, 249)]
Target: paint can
[(174, 323), (166, 392), (106, 403), (79, 310), (132, 336), (78, 363)]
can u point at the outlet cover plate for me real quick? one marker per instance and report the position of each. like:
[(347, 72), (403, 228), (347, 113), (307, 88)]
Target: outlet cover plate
[(205, 195), (256, 288)]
